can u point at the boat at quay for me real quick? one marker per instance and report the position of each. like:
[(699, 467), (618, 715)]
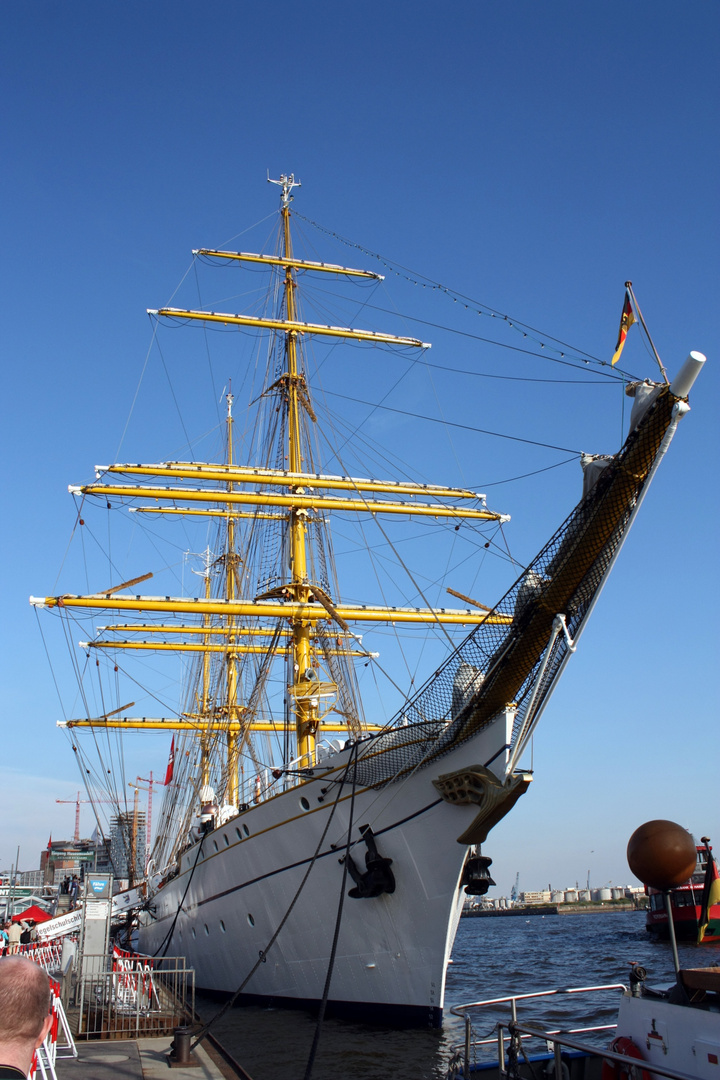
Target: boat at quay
[(309, 850), (672, 1030), (695, 904)]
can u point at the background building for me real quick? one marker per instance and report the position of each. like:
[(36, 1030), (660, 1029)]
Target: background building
[(127, 845)]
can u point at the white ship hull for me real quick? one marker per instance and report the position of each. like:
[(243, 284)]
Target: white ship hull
[(392, 950)]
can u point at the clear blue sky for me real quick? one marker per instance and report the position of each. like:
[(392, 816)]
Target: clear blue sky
[(533, 156)]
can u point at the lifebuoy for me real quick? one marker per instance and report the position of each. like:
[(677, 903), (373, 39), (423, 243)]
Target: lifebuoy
[(613, 1070)]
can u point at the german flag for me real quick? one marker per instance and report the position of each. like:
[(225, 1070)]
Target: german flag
[(626, 320), (710, 895)]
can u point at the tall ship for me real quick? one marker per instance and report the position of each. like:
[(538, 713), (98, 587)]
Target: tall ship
[(310, 847)]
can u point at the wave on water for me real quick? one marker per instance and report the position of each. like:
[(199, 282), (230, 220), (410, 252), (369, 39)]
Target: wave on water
[(492, 958)]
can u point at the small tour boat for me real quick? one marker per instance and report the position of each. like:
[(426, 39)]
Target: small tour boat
[(669, 1033), (672, 1032)]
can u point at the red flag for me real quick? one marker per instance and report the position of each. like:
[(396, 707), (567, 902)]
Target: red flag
[(49, 847), (171, 763), (626, 320)]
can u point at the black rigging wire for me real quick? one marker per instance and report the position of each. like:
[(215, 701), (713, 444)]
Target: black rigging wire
[(524, 476), (454, 294), (450, 423), (168, 937), (338, 923), (207, 346), (172, 392), (612, 376), (263, 952)]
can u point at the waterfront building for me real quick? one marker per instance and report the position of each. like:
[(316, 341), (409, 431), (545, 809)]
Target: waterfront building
[(540, 897)]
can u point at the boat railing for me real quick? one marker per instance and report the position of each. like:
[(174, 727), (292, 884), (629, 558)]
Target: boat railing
[(634, 1069), (512, 1033)]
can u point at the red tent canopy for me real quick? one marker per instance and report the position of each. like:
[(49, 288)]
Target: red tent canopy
[(33, 912)]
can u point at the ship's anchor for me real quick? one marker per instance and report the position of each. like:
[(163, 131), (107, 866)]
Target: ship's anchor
[(378, 877), (476, 875)]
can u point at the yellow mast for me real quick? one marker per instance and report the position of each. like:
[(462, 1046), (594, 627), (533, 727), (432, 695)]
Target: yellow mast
[(301, 674), (205, 697), (233, 712)]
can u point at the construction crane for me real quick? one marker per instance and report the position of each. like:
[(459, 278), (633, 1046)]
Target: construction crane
[(77, 802), (515, 891), (139, 786)]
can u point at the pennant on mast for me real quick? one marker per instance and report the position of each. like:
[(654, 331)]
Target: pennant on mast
[(171, 764), (626, 320)]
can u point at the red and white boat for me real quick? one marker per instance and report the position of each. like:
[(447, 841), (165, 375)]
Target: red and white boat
[(688, 903)]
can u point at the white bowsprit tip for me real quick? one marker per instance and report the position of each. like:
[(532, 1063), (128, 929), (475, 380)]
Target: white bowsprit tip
[(686, 376)]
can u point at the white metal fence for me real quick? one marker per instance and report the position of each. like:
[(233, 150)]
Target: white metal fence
[(138, 995)]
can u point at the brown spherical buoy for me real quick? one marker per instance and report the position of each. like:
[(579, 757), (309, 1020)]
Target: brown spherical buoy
[(661, 854)]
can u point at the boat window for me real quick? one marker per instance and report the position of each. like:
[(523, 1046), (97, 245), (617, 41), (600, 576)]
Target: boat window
[(215, 844), (222, 927), (304, 804), (246, 830), (193, 931), (251, 920), (206, 929), (238, 834), (227, 842)]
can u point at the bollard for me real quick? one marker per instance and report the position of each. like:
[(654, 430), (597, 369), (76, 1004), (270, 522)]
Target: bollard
[(181, 1045)]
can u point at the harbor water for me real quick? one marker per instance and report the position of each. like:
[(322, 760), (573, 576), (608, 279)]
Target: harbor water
[(491, 958)]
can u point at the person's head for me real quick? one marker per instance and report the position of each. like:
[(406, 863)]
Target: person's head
[(24, 1010)]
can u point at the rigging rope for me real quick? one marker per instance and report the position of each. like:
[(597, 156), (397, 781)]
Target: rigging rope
[(480, 308), (338, 922), (608, 377), (166, 940), (263, 952), (450, 423)]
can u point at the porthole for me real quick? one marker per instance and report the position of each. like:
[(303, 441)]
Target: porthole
[(215, 844), (222, 927), (251, 920), (207, 932), (238, 834), (246, 830), (193, 931), (304, 804), (225, 838)]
